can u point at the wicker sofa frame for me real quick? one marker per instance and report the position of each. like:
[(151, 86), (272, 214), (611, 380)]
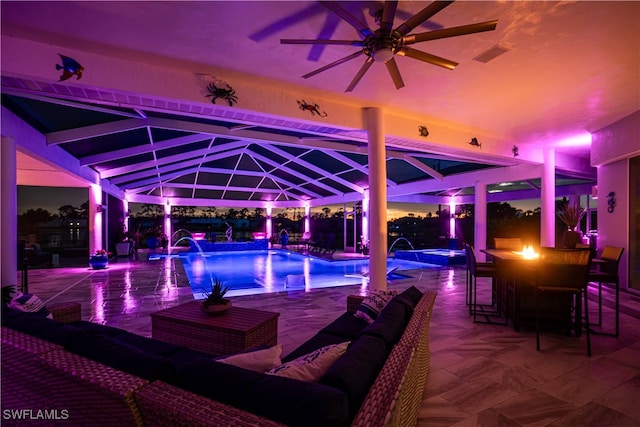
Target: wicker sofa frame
[(41, 375)]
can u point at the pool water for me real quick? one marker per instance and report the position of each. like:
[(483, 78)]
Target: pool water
[(255, 272)]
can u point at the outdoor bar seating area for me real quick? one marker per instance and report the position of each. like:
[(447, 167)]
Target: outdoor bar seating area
[(546, 288)]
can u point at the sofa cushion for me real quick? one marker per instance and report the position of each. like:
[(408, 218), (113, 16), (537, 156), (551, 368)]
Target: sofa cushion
[(310, 367), (40, 327), (31, 304), (98, 328), (347, 326), (413, 294), (390, 323), (259, 360), (315, 342), (225, 383), (373, 303), (355, 372), (298, 403), (124, 357)]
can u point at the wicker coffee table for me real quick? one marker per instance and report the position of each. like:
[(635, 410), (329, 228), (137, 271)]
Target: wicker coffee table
[(236, 330)]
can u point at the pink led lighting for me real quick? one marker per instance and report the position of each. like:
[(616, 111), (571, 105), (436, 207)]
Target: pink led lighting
[(579, 140)]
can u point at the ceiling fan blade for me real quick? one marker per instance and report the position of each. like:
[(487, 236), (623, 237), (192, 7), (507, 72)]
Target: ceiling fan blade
[(334, 63), (323, 41), (365, 67), (422, 16), (388, 14), (362, 27), (427, 57), (450, 32), (392, 67)]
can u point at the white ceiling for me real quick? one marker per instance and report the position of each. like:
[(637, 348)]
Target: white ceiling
[(571, 66)]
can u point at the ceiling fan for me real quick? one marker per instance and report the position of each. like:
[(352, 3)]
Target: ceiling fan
[(384, 43)]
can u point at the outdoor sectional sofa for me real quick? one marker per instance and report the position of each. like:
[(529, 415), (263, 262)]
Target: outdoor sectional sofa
[(88, 374)]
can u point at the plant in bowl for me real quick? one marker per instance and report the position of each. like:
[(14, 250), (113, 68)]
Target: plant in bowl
[(215, 302)]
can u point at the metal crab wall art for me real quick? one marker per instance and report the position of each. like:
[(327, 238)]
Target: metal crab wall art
[(423, 131), (221, 90)]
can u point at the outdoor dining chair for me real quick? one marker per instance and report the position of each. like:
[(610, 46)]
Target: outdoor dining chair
[(563, 271), (605, 270), (511, 243)]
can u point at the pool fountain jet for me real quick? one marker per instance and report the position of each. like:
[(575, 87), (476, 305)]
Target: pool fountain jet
[(408, 242)]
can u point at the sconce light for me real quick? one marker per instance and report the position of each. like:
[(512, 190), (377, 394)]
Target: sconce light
[(611, 201), (515, 151), (423, 131)]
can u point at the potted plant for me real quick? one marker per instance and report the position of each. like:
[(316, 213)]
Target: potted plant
[(99, 259), (215, 302), (570, 213), (152, 238)]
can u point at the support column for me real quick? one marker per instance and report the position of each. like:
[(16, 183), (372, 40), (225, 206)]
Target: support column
[(548, 199), (9, 213), (307, 215), (125, 215), (167, 225), (269, 223), (374, 120), (480, 220), (95, 218)]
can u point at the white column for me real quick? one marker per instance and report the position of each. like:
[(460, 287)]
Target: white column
[(9, 213), (167, 225), (125, 215), (307, 214), (269, 222), (480, 220), (548, 199), (374, 120), (95, 218)]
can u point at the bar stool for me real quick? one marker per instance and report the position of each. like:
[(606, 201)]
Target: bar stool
[(606, 271), (563, 271), (476, 270)]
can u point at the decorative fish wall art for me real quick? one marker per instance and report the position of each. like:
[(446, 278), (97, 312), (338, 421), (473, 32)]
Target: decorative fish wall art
[(69, 67)]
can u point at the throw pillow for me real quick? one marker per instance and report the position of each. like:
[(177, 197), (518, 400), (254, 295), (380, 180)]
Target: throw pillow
[(30, 303), (312, 366), (373, 304), (259, 360)]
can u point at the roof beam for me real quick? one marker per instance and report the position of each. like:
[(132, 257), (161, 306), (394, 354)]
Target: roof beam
[(193, 158), (141, 149), (421, 166), (94, 131)]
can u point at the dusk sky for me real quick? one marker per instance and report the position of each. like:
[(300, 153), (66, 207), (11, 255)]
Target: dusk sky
[(52, 198)]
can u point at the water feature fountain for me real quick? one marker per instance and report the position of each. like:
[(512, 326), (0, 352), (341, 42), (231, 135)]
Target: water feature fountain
[(399, 239)]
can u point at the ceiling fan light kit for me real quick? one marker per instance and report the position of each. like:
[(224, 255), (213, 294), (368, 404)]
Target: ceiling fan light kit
[(384, 43)]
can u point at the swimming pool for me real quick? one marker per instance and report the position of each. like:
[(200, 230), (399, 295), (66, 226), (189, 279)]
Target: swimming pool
[(264, 271)]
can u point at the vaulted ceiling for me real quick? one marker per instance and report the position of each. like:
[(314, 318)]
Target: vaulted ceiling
[(550, 71)]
